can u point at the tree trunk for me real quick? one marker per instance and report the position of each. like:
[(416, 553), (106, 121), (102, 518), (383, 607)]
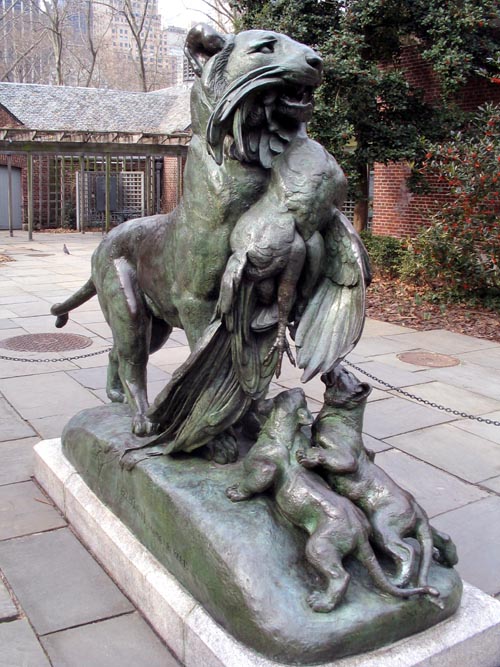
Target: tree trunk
[(360, 218)]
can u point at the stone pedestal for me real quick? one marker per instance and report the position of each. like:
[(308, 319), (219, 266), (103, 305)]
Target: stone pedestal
[(473, 634)]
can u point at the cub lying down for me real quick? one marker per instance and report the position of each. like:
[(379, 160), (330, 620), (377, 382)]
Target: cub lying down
[(335, 526)]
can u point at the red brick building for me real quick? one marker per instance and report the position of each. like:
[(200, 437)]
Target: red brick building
[(396, 210)]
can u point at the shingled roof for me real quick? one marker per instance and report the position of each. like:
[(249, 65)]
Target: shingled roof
[(67, 108)]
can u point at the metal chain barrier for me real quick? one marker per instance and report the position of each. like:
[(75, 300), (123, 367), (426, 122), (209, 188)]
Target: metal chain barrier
[(389, 386), (424, 401), (43, 361)]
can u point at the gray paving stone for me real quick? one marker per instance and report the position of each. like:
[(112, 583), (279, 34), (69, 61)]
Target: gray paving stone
[(95, 378), (8, 609), (481, 379), (374, 444), (46, 395), (30, 308), (57, 582), (20, 647), (493, 484), (44, 323), (51, 427), (445, 342), (436, 491), (455, 398), (475, 529), (12, 426), (87, 317), (398, 377), (486, 431), (13, 369), (126, 641), (5, 325), (462, 454), (17, 460), (396, 415), (378, 328), (24, 510), (491, 358), (373, 346)]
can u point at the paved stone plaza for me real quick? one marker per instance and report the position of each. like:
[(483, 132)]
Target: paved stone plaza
[(58, 607)]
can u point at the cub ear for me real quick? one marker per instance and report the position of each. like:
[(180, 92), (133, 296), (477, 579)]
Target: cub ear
[(202, 42)]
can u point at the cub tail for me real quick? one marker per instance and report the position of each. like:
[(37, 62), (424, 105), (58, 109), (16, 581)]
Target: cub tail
[(61, 310), (369, 560)]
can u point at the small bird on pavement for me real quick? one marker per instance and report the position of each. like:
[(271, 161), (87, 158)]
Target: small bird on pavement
[(65, 250)]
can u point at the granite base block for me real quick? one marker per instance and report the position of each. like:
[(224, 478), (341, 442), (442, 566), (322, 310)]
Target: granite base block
[(471, 636)]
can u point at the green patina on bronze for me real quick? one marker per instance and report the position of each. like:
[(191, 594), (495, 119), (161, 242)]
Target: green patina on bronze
[(327, 556), (243, 561)]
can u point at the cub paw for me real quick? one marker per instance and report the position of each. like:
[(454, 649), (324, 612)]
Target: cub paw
[(320, 602), (234, 494)]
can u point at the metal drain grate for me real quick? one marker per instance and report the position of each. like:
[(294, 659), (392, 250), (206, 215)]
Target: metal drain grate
[(430, 359), (46, 342)]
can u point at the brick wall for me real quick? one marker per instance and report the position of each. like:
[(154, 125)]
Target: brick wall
[(397, 211), (7, 119)]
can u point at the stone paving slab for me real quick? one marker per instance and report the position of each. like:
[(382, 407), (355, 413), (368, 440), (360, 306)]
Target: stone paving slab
[(12, 426), (379, 328), (125, 641), (392, 416), (436, 491), (46, 395), (16, 458), (460, 453), (492, 484), (492, 357), (95, 378), (455, 398), (8, 609), (398, 377), (379, 345), (57, 582), (481, 379), (20, 647), (24, 510), (14, 369), (475, 530), (486, 431), (443, 341)]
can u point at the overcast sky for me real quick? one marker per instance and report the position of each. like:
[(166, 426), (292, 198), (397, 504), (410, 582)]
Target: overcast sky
[(181, 12)]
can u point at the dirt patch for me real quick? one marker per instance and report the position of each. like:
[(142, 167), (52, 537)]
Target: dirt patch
[(392, 301), (5, 258)]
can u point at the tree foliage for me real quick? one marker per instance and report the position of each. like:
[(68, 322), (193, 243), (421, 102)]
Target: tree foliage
[(461, 249), (366, 111)]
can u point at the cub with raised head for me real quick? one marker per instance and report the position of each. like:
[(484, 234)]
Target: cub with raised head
[(335, 526), (348, 467)]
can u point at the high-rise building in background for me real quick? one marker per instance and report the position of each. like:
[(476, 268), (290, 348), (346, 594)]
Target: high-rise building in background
[(102, 43)]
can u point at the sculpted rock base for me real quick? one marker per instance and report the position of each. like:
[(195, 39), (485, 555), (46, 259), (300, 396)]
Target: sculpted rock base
[(239, 560)]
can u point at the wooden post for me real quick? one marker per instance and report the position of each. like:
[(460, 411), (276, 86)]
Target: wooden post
[(30, 196), (81, 207), (9, 194), (107, 214), (62, 176)]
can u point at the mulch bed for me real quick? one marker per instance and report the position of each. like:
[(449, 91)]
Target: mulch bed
[(396, 302)]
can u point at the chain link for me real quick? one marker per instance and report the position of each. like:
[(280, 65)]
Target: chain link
[(424, 401), (44, 361), (389, 386)]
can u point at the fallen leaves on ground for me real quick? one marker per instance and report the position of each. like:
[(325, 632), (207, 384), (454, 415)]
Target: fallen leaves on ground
[(407, 305)]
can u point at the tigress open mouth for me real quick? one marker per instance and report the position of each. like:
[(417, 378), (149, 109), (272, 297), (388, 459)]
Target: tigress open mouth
[(272, 94), (296, 102)]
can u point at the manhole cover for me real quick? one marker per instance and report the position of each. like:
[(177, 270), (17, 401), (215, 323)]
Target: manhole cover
[(431, 359), (46, 342)]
